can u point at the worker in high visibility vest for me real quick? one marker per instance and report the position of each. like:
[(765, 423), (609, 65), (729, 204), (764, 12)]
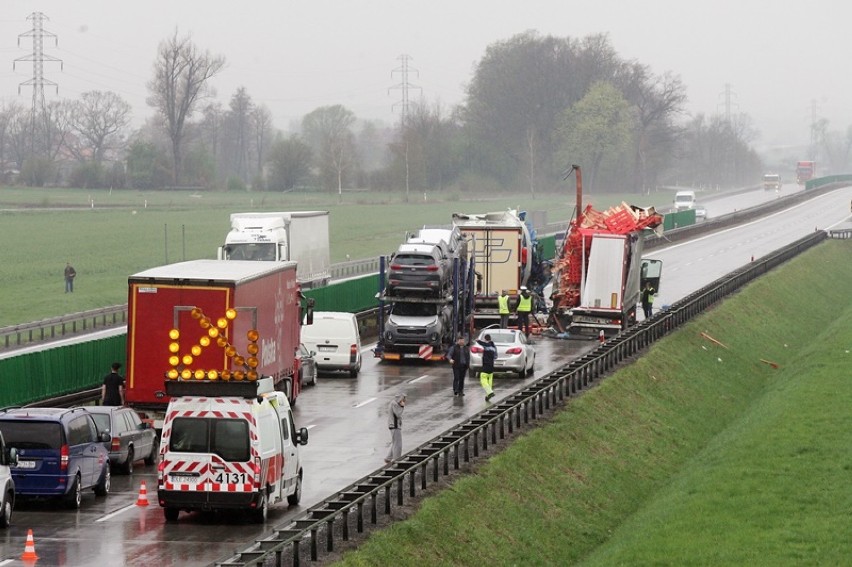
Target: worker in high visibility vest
[(525, 307), (648, 293), (503, 309)]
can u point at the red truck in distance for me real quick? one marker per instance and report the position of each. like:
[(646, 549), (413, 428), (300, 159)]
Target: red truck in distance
[(805, 171)]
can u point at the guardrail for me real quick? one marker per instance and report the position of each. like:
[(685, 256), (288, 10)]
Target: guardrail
[(63, 326), (333, 518)]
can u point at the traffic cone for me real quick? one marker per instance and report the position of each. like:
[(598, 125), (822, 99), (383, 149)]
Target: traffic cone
[(29, 550), (143, 496), (601, 337)]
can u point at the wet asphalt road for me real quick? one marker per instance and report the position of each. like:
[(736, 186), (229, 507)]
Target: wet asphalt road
[(347, 423)]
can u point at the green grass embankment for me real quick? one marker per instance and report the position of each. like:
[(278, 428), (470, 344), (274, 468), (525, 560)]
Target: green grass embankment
[(694, 455)]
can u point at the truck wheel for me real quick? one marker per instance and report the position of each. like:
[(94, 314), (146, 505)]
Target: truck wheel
[(293, 499), (127, 466), (75, 495), (171, 514), (102, 488)]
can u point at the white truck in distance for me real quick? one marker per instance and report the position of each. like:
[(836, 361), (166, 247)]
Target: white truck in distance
[(298, 236)]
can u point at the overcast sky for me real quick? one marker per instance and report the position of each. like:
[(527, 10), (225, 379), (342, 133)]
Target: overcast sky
[(782, 59)]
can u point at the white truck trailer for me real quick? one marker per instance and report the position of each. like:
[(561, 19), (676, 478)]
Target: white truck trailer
[(298, 236)]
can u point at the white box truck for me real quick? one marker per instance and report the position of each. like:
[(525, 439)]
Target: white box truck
[(297, 236)]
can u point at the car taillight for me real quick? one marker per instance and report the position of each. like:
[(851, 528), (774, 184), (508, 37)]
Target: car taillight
[(115, 445), (431, 268), (257, 471), (396, 267), (514, 350), (63, 458), (160, 468), (476, 349)]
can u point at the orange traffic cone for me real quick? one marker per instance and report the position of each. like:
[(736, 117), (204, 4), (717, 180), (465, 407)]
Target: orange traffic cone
[(143, 496), (29, 550), (601, 337)]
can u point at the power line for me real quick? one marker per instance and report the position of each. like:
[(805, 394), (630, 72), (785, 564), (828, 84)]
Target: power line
[(38, 57), (404, 86)]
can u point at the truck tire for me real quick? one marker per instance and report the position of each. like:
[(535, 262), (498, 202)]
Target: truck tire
[(261, 513)]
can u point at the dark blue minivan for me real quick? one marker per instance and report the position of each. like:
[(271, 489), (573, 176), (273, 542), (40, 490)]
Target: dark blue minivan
[(60, 453)]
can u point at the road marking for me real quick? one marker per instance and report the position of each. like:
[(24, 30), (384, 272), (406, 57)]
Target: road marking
[(311, 426), (364, 403), (416, 379), (116, 513)]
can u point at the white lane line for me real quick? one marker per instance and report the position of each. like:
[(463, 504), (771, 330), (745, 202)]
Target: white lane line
[(116, 513), (6, 562), (365, 402), (417, 379), (311, 426)]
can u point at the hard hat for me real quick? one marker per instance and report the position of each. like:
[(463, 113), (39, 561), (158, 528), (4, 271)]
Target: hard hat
[(523, 288)]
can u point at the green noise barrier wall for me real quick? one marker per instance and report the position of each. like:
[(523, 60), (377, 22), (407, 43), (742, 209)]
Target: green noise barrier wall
[(57, 371), (352, 296)]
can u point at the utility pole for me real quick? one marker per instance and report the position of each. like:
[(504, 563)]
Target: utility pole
[(728, 103), (404, 86), (813, 146), (37, 57)]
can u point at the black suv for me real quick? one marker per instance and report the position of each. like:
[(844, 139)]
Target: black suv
[(418, 268)]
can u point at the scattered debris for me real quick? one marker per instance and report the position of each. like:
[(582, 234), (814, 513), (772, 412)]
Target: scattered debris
[(769, 362), (712, 340)]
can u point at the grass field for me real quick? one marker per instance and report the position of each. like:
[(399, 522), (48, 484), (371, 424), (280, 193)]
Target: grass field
[(108, 235), (693, 455)]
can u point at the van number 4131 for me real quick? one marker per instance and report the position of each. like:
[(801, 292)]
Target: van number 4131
[(230, 478)]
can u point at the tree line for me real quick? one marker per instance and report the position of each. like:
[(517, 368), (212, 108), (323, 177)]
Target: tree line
[(534, 106)]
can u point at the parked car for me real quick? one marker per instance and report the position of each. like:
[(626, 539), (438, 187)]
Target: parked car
[(514, 353), (8, 458), (131, 439), (60, 453), (418, 268), (307, 365), (336, 340)]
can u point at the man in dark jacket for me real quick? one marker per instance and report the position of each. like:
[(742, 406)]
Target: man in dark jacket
[(112, 390), (486, 375), (458, 356)]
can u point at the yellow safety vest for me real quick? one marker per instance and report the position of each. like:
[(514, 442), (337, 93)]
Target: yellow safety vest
[(525, 303), (503, 304)]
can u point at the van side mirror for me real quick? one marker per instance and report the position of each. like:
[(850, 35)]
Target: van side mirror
[(302, 436)]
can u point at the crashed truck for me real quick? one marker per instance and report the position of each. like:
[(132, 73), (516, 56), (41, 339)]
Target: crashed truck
[(599, 271)]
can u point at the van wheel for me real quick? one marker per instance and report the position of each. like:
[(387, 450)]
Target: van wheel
[(75, 496), (102, 488), (6, 515), (127, 467), (171, 514), (262, 512), (293, 499), (353, 373)]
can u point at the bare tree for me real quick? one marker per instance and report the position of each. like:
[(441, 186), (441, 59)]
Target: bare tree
[(261, 122), (97, 120), (181, 79), (328, 131)]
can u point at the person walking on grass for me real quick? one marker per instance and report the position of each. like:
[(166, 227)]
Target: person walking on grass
[(458, 356), (486, 375), (395, 409)]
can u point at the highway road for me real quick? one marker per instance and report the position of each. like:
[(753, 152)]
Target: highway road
[(347, 418)]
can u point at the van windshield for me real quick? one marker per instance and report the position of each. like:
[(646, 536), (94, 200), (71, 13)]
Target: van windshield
[(684, 199), (32, 434), (228, 438)]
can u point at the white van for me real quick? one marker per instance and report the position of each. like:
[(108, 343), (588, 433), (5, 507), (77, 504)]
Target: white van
[(336, 340), (228, 446), (684, 200)]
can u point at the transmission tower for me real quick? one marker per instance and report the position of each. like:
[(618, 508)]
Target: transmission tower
[(37, 57), (728, 102), (404, 86)]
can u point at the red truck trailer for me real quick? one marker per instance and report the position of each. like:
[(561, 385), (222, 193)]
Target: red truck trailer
[(805, 171), (211, 320)]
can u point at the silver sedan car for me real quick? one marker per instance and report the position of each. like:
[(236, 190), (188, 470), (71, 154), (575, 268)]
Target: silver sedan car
[(514, 353)]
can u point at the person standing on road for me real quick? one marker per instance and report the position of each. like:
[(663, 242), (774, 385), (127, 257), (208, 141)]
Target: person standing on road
[(395, 409), (112, 390), (486, 375), (503, 309), (525, 307), (648, 293), (70, 274), (458, 356)]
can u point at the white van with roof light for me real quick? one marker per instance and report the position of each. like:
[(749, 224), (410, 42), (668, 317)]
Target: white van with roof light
[(228, 446)]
